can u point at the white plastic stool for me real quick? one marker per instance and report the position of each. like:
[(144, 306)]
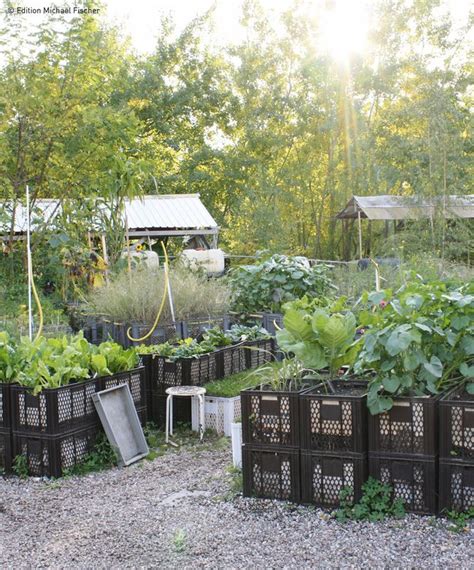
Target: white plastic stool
[(186, 391)]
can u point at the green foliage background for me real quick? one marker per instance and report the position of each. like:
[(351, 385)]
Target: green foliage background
[(273, 134)]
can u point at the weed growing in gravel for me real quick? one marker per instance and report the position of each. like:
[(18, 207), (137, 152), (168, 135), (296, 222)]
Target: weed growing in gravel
[(179, 540), (20, 466), (101, 457), (459, 522), (375, 505)]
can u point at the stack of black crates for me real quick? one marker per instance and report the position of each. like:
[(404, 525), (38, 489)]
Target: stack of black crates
[(403, 451), (55, 429), (271, 444), (456, 451), (333, 429)]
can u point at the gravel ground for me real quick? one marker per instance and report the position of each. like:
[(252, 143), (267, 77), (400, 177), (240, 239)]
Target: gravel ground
[(176, 512)]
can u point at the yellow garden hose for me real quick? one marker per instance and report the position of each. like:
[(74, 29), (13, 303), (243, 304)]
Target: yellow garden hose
[(40, 308), (162, 305)]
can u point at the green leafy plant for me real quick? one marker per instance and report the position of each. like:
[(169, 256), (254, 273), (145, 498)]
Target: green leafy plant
[(231, 386), (319, 339), (460, 520), (179, 540), (101, 457), (269, 283), (419, 341), (212, 339), (375, 505), (20, 466)]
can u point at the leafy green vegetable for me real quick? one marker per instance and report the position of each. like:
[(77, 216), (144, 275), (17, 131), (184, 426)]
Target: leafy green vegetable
[(421, 342), (270, 283), (319, 339)]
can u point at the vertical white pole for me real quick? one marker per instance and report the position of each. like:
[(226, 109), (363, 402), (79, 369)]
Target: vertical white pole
[(30, 269), (360, 234)]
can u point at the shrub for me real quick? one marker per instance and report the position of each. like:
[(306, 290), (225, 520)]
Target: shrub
[(137, 297)]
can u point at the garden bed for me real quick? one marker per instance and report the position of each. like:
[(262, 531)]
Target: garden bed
[(456, 425)]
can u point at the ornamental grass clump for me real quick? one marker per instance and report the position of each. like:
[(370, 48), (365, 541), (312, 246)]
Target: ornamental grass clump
[(419, 342), (137, 297)]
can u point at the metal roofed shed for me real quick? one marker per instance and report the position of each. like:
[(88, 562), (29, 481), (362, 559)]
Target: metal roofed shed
[(387, 207), (169, 215), (400, 208), (147, 216)]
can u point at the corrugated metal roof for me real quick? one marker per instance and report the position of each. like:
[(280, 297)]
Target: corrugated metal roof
[(162, 212), (168, 211), (43, 211), (389, 207)]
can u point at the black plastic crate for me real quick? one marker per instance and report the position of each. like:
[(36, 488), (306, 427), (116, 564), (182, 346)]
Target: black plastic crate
[(5, 450), (259, 352), (54, 410), (270, 322), (413, 479), (51, 456), (143, 416), (5, 415), (181, 411), (231, 360), (456, 425), (334, 422), (182, 372), (410, 427), (456, 485), (136, 381), (271, 473), (324, 476), (270, 418)]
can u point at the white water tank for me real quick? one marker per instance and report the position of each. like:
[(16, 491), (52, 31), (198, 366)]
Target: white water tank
[(211, 260)]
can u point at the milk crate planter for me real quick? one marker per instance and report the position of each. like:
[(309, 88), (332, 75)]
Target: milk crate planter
[(456, 485), (456, 425), (231, 360), (270, 322), (219, 414), (136, 381), (324, 476), (271, 474), (54, 410), (414, 480), (334, 422), (259, 352), (410, 427), (270, 418), (5, 450), (51, 456), (5, 414)]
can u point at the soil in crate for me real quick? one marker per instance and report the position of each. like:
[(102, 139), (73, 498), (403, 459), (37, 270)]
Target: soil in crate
[(410, 427), (5, 450), (456, 485), (54, 411), (270, 417), (456, 426), (271, 474), (324, 476), (334, 422), (51, 456), (413, 479)]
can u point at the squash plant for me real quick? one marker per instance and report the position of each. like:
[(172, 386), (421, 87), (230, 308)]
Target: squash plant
[(419, 341), (269, 283)]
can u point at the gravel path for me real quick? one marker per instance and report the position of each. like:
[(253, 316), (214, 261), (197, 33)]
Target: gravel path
[(175, 512)]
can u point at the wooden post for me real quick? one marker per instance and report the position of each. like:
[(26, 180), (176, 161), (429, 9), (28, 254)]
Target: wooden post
[(360, 234)]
